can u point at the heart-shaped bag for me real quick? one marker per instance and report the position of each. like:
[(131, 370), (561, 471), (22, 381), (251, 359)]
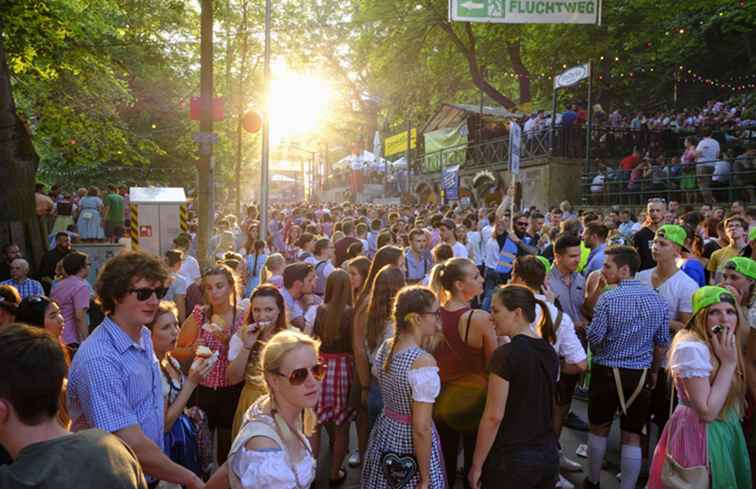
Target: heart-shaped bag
[(398, 469)]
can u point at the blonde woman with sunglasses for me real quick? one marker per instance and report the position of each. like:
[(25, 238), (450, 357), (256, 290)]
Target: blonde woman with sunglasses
[(272, 450)]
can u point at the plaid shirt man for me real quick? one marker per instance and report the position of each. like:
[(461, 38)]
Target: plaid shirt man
[(115, 383), (629, 321), (27, 288)]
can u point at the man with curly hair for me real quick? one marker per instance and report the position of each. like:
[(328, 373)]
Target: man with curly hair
[(115, 380)]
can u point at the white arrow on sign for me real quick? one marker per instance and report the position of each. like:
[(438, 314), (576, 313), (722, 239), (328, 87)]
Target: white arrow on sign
[(472, 5)]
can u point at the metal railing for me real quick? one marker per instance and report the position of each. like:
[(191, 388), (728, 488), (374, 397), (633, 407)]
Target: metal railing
[(706, 182)]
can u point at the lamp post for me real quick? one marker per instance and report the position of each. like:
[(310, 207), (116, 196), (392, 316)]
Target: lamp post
[(265, 158)]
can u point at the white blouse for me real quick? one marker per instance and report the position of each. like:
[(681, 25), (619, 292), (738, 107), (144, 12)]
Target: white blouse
[(691, 358), (424, 383), (268, 469)]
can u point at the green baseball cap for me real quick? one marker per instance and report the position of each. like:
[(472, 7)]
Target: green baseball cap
[(674, 233), (708, 295), (545, 262), (752, 234), (743, 265)]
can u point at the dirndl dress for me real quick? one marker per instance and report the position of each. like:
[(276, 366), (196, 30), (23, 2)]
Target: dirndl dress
[(90, 219), (691, 442), (391, 454)]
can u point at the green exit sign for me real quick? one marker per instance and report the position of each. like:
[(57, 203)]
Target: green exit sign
[(526, 11)]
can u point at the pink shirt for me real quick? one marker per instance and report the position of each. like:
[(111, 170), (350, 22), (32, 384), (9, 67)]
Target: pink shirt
[(70, 294)]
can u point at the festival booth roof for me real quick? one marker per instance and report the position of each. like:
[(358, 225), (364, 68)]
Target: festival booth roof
[(367, 159), (282, 178), (450, 115)]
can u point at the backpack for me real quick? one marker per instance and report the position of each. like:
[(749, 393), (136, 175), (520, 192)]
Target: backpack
[(320, 278)]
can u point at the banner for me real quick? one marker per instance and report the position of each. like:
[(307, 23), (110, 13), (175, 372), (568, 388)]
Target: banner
[(445, 147), (515, 143), (398, 143), (572, 76), (526, 11), (450, 180)]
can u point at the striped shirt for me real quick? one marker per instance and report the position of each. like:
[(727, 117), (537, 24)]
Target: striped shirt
[(629, 321), (27, 288), (114, 382)]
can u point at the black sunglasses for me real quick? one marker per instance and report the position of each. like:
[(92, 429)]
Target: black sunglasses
[(144, 293), (299, 376)]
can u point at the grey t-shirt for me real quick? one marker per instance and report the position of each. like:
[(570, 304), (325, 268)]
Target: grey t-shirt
[(89, 458)]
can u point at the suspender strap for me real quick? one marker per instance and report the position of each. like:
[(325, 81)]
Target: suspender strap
[(618, 383)]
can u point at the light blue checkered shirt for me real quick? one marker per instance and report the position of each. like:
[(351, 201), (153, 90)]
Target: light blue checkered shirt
[(628, 323), (115, 383), (25, 289)]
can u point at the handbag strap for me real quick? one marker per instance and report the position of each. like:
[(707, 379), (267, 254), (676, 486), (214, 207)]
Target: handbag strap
[(618, 384)]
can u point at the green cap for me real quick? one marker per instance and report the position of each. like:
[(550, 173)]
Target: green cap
[(674, 233), (752, 234), (708, 295), (545, 262), (743, 265)]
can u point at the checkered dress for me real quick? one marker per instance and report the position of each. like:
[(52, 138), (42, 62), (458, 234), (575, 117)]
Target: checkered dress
[(333, 404), (390, 435)]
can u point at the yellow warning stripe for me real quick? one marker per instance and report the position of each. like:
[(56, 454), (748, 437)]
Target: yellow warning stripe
[(183, 219), (134, 226)]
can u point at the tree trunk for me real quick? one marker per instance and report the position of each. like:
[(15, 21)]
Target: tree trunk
[(472, 64), (514, 50), (18, 169)]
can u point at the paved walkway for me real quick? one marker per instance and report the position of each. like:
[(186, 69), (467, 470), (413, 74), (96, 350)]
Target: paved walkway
[(570, 440)]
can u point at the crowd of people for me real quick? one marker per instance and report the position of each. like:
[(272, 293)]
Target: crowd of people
[(434, 331)]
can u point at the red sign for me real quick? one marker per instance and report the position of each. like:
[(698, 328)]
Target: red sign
[(195, 109), (145, 231)]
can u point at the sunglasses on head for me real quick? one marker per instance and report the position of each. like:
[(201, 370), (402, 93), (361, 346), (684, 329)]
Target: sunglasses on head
[(144, 293), (299, 376)]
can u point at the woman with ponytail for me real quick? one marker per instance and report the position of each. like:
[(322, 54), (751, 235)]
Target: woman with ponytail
[(272, 451), (467, 342), (404, 449), (516, 446)]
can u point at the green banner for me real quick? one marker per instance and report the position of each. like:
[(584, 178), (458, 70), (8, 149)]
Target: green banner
[(445, 147)]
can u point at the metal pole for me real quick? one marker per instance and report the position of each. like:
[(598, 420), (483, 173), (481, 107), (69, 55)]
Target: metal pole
[(264, 160), (590, 120), (553, 120), (407, 155), (204, 192)]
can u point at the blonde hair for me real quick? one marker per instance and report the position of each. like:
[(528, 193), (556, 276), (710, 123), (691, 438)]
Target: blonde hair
[(271, 359), (274, 260), (697, 330)]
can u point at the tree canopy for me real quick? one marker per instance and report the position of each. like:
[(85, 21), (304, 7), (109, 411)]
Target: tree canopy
[(105, 85)]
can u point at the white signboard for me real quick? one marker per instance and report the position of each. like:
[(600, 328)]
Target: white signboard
[(515, 143), (526, 11), (572, 76)]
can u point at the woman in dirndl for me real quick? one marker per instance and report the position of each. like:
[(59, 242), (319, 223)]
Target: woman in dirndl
[(333, 327), (89, 224), (266, 317), (404, 450), (702, 445)]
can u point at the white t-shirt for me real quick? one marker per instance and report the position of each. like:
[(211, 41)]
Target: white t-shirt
[(567, 344), (473, 247), (677, 291), (460, 250), (178, 287), (492, 251), (190, 269), (709, 149)]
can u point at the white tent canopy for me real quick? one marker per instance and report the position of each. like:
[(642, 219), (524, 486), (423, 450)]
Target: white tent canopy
[(282, 178), (362, 161)]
